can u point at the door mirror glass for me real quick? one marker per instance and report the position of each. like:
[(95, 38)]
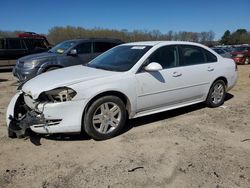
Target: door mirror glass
[(152, 67), (73, 52)]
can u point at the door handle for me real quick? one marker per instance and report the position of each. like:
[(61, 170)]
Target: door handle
[(210, 69), (176, 74)]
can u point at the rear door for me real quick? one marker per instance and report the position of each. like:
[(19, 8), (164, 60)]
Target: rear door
[(16, 49), (4, 59)]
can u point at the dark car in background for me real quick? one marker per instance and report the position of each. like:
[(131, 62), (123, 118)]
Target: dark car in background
[(64, 54), (13, 48), (241, 55), (222, 52)]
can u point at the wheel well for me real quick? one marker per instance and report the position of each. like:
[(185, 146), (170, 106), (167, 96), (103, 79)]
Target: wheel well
[(123, 97), (114, 93), (223, 79), (56, 66)]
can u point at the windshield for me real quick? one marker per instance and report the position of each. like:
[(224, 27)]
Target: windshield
[(62, 47), (121, 58)]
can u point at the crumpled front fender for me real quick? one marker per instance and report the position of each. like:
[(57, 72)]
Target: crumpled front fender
[(11, 107)]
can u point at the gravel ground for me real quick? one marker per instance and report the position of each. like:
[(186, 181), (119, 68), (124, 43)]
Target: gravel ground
[(189, 147)]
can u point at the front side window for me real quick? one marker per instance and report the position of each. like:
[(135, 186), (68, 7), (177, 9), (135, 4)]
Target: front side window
[(62, 47), (84, 48), (166, 56), (120, 58), (14, 44)]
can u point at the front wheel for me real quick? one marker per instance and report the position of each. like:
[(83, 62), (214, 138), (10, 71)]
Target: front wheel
[(105, 118), (217, 93), (11, 134)]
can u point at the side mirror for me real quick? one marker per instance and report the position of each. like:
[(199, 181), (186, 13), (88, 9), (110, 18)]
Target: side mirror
[(152, 67), (73, 52)]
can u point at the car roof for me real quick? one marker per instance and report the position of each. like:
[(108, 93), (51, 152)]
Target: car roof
[(28, 38), (96, 39), (154, 43)]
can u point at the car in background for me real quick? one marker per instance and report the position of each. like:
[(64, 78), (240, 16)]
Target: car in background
[(241, 55), (31, 35), (128, 81), (222, 52), (64, 54), (12, 49)]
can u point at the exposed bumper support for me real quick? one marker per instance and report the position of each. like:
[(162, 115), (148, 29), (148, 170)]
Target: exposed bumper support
[(20, 125)]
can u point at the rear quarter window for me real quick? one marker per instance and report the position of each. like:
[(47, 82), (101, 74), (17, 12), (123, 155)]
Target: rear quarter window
[(2, 44), (210, 58)]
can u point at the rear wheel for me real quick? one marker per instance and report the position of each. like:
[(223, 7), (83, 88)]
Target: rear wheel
[(105, 118), (217, 93)]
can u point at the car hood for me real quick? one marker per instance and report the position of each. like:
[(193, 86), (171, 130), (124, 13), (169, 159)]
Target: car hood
[(62, 78), (38, 56)]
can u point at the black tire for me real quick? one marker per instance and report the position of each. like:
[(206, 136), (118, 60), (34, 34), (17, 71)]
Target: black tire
[(92, 129), (11, 134), (211, 101), (51, 69)]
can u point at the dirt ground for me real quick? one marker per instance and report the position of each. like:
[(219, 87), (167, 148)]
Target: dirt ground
[(190, 147)]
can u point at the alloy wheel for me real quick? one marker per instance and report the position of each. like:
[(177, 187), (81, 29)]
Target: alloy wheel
[(107, 117)]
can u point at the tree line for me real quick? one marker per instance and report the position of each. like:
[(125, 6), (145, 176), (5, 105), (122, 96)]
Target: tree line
[(240, 36), (58, 34)]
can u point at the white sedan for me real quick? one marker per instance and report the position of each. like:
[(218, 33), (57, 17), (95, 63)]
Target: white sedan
[(128, 81)]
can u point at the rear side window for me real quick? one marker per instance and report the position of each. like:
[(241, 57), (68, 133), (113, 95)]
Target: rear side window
[(84, 48), (14, 44), (36, 43), (192, 55), (100, 47), (166, 56)]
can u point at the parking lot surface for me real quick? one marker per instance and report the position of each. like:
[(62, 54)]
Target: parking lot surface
[(189, 147)]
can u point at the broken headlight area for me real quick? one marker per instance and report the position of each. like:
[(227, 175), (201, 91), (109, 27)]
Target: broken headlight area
[(62, 94), (26, 115)]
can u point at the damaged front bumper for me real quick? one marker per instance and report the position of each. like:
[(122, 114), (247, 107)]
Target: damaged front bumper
[(20, 117), (25, 113)]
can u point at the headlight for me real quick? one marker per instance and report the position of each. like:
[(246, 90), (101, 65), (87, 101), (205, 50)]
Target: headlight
[(239, 55), (30, 64), (62, 94)]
